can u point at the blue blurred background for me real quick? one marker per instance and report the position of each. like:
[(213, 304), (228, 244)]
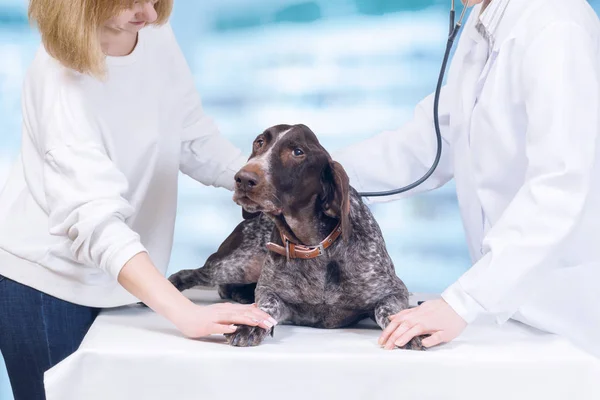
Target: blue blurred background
[(349, 69)]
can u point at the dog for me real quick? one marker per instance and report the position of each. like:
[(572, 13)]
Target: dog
[(308, 251)]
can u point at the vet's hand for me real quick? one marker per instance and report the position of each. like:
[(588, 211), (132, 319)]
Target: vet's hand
[(435, 318), (198, 321)]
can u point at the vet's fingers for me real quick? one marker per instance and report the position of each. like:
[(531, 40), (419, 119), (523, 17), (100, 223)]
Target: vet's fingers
[(400, 316), (434, 340), (391, 342), (409, 334), (392, 326)]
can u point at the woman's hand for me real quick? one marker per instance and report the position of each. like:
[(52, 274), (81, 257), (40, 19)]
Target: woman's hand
[(435, 318), (140, 277), (198, 321)]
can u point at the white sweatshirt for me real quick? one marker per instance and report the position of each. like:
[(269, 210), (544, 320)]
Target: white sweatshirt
[(96, 179)]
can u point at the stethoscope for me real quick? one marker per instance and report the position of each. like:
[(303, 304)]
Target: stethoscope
[(453, 32)]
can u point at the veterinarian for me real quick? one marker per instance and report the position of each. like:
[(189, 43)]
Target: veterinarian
[(110, 116), (520, 120)]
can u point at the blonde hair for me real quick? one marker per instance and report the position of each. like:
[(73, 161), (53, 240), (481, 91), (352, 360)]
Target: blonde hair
[(70, 29)]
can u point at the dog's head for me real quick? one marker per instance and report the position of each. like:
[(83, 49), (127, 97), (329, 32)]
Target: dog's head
[(289, 170)]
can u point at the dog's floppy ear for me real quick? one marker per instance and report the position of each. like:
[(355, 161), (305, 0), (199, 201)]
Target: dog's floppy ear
[(249, 215), (336, 195)]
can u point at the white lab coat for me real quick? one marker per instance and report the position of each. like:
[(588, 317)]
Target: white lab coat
[(520, 138)]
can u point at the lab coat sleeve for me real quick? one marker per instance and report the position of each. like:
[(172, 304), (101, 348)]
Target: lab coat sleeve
[(561, 82), (206, 155), (396, 158)]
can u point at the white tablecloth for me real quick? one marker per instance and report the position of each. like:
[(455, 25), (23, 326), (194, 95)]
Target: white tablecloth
[(132, 353)]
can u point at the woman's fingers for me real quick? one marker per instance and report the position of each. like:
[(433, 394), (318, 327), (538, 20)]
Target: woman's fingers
[(260, 314), (235, 318), (249, 309), (245, 317), (263, 319), (219, 329)]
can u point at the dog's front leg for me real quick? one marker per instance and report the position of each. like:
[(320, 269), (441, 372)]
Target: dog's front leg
[(392, 305), (246, 336)]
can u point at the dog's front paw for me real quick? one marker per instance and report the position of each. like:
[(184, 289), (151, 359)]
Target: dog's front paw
[(247, 336), (414, 344)]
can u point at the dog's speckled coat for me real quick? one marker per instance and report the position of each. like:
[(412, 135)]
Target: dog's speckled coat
[(354, 279)]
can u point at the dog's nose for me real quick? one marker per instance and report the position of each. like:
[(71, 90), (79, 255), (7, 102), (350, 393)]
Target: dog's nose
[(246, 180)]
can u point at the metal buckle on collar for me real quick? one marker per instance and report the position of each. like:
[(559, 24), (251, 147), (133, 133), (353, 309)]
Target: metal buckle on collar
[(321, 250), (287, 249)]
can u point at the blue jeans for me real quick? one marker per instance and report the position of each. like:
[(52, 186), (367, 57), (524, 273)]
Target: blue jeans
[(37, 331)]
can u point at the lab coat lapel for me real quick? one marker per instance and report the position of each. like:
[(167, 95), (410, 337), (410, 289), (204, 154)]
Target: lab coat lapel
[(474, 67), (468, 76)]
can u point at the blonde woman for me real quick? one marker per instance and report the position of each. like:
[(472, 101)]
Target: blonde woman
[(110, 116)]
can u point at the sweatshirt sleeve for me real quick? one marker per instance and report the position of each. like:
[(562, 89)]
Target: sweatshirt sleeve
[(84, 190), (206, 155)]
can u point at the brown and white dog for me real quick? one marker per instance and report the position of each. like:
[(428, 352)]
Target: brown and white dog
[(309, 251)]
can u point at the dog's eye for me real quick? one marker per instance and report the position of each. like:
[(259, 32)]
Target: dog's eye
[(298, 152), (260, 142)]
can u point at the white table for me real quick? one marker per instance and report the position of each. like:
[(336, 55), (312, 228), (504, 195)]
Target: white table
[(132, 353)]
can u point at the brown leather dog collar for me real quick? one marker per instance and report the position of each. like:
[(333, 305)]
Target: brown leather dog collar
[(292, 250)]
